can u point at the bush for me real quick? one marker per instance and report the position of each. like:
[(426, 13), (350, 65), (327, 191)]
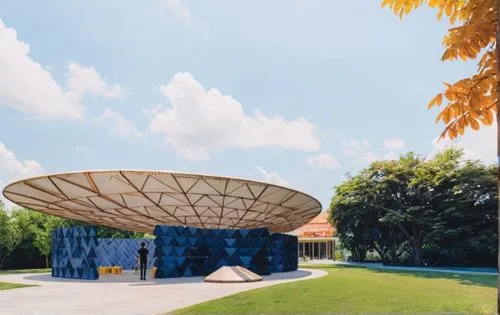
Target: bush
[(339, 255)]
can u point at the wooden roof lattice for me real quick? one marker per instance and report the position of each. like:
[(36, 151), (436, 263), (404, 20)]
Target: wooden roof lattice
[(140, 200)]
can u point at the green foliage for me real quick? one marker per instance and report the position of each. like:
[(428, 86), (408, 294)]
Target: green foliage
[(414, 211), (26, 237), (10, 235), (106, 232)]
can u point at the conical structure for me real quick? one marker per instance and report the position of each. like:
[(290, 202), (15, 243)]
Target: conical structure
[(232, 274)]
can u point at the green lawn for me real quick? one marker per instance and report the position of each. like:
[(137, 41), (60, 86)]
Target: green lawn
[(348, 290), (7, 286), (7, 272)]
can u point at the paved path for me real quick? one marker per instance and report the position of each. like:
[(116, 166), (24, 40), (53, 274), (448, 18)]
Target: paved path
[(123, 294)]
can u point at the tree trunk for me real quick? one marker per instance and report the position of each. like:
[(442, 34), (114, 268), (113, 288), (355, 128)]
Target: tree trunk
[(498, 143), (46, 261), (2, 261), (381, 253), (417, 251)]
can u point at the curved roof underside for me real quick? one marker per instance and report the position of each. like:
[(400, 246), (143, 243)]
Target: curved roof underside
[(139, 200)]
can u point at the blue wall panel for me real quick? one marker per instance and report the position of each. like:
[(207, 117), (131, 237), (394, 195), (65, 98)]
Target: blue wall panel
[(283, 252), (188, 251), (123, 252), (74, 253)]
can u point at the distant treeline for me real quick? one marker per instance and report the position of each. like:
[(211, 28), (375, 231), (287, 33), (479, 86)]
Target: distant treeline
[(25, 237)]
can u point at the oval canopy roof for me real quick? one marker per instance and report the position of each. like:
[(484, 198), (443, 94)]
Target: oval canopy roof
[(140, 200)]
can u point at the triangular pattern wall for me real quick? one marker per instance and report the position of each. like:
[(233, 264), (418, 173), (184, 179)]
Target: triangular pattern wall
[(283, 252), (189, 251), (123, 252), (177, 251), (74, 253)]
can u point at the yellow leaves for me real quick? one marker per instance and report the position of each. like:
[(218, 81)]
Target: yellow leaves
[(470, 101), (437, 100), (487, 62), (487, 117), (402, 7), (474, 124), (466, 41)]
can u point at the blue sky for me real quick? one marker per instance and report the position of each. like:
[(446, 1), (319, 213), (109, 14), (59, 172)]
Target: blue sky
[(295, 92)]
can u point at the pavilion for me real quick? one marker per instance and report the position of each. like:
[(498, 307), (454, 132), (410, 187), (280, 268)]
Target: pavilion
[(200, 221)]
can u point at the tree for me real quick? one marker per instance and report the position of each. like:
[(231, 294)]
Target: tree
[(415, 211), (473, 100), (357, 220), (43, 235), (348, 213), (10, 236), (467, 234)]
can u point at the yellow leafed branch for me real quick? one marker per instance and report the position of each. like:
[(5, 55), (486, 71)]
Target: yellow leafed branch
[(473, 100)]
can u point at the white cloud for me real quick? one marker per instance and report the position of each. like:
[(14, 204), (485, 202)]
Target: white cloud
[(272, 177), (355, 147), (323, 161), (360, 149), (200, 121), (11, 168), (394, 144), (27, 86), (83, 80), (179, 10), (479, 144), (117, 125)]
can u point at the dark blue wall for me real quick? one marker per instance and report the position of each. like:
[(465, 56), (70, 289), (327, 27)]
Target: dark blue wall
[(176, 251), (123, 252), (283, 252), (74, 253), (188, 251)]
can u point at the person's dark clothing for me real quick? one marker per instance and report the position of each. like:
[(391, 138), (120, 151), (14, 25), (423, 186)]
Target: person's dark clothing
[(143, 254), (143, 259), (143, 270)]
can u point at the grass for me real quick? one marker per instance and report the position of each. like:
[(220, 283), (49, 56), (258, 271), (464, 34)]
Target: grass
[(18, 271), (7, 286), (348, 290)]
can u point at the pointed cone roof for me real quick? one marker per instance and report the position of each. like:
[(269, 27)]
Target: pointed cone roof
[(232, 274)]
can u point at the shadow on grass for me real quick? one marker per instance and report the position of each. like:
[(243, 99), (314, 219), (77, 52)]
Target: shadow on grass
[(467, 279), (478, 280)]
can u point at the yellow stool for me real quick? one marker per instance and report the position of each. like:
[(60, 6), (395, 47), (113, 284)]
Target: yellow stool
[(153, 273)]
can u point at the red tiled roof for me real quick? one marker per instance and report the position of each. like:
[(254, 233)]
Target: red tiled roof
[(317, 227)]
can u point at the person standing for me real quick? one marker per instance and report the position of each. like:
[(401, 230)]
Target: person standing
[(143, 260)]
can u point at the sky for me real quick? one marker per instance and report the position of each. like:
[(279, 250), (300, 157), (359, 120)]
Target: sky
[(292, 92)]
